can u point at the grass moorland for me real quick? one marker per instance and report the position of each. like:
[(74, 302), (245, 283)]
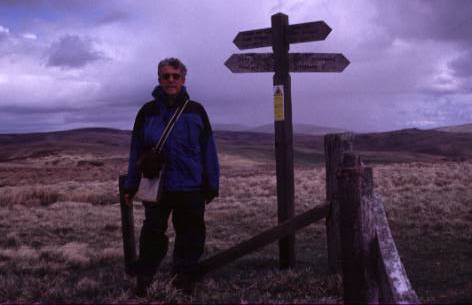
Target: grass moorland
[(62, 238)]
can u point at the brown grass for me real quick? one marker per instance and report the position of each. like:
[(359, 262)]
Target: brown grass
[(63, 240)]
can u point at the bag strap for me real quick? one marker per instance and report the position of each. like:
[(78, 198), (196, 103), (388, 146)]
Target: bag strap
[(170, 125)]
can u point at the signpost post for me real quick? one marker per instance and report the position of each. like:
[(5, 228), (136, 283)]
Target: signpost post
[(283, 137), (281, 62)]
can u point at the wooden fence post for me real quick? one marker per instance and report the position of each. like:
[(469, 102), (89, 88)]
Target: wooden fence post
[(127, 229), (335, 145), (357, 228)]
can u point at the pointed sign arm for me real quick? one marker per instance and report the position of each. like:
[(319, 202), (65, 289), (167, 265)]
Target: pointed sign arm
[(298, 62), (309, 31), (301, 32), (253, 39), (250, 62), (317, 62)]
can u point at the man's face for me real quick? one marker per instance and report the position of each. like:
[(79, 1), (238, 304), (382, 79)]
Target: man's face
[(171, 80)]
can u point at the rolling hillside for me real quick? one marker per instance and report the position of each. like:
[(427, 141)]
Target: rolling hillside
[(396, 146), (458, 128), (308, 129)]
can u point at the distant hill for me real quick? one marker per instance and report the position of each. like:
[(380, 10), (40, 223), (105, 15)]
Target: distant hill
[(307, 129), (101, 141), (396, 146), (457, 128), (229, 127), (449, 145)]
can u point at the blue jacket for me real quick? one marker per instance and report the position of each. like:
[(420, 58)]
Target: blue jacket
[(191, 160)]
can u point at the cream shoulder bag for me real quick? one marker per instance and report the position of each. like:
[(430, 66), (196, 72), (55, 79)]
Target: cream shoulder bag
[(150, 189)]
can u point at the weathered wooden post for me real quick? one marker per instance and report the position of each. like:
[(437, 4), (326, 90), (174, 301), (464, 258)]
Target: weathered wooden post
[(283, 136), (335, 145), (279, 36), (357, 231), (127, 229), (372, 270)]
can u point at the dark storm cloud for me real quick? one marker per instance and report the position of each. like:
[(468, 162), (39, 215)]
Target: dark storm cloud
[(462, 66), (51, 4), (19, 109), (411, 61), (111, 17), (439, 23), (428, 19), (447, 109), (71, 51), (85, 12), (4, 33)]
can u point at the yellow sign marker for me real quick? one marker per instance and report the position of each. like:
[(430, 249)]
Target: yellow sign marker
[(279, 113)]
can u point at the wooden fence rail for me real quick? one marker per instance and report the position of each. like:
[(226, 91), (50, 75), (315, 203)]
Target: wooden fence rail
[(371, 266), (394, 285), (269, 236)]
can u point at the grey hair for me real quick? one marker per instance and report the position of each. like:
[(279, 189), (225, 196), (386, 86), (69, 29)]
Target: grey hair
[(174, 63)]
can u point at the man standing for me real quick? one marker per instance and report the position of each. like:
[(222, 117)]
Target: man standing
[(190, 178)]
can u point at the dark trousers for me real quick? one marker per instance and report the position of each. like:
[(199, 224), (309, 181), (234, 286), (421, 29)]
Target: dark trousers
[(188, 219)]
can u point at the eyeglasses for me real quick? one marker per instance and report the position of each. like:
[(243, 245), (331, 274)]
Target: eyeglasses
[(175, 76)]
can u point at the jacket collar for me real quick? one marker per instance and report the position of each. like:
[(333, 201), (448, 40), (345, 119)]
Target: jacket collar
[(161, 97)]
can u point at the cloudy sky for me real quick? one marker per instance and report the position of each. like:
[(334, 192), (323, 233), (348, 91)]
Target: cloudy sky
[(80, 63)]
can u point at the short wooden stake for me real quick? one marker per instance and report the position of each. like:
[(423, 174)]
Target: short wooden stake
[(127, 229)]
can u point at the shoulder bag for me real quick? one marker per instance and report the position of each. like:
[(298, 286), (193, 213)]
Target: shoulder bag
[(150, 189)]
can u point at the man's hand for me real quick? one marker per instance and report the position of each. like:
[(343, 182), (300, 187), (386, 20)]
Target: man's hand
[(128, 200), (129, 193), (209, 196)]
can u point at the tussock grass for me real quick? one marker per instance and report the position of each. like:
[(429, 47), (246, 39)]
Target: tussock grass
[(62, 236), (429, 207), (47, 194)]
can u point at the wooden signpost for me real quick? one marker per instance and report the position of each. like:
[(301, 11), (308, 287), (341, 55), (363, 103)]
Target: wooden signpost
[(279, 36)]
